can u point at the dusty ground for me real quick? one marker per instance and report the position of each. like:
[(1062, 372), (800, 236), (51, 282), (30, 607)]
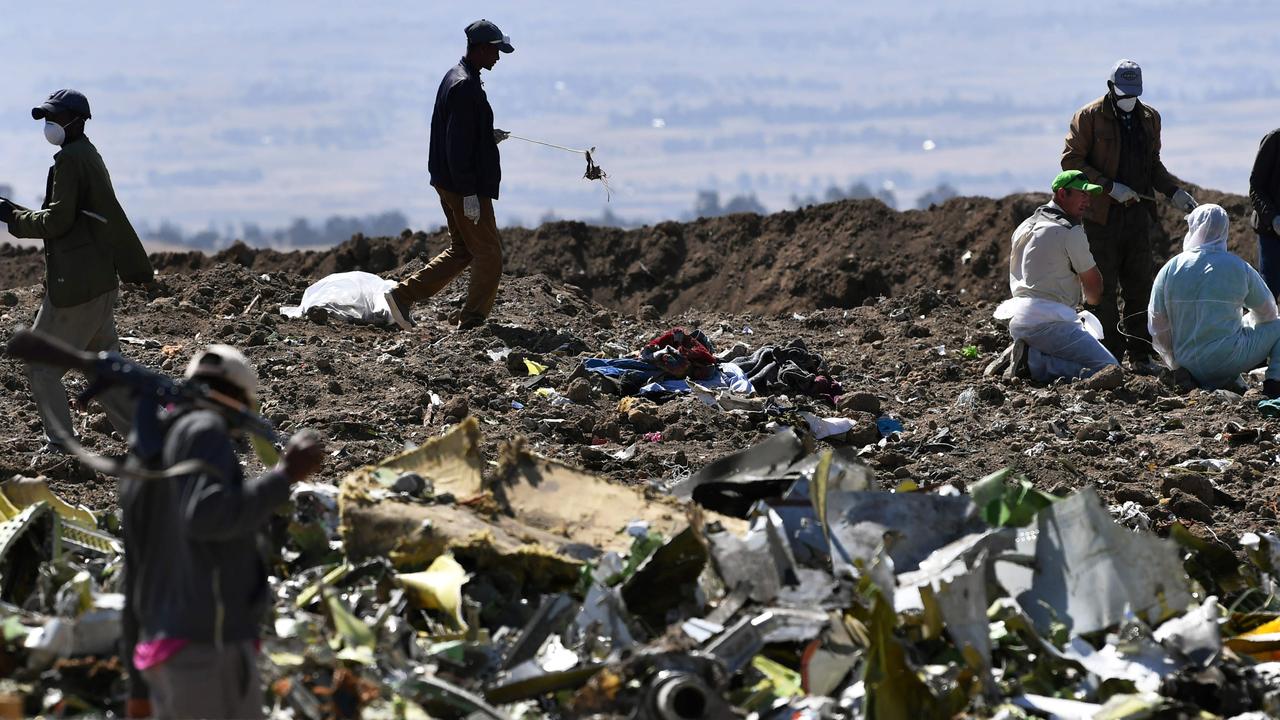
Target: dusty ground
[(814, 274)]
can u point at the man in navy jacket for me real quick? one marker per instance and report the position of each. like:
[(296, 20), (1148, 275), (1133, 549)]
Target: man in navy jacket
[(465, 171)]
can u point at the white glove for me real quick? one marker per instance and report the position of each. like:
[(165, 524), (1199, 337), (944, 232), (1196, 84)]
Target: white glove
[(500, 135), (471, 208), (1275, 225), (1183, 201), (1122, 193)]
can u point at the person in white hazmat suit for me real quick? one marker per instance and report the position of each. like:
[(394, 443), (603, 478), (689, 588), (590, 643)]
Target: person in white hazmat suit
[(1196, 314), (1050, 272)]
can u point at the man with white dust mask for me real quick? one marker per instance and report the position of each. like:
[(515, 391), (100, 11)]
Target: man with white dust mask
[(89, 246), (1115, 141)]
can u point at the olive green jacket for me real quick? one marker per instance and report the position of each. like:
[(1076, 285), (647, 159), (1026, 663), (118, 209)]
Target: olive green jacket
[(83, 255)]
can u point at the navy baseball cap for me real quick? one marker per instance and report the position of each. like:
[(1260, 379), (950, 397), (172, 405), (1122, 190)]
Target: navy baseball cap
[(1127, 77), (68, 100), (483, 32)]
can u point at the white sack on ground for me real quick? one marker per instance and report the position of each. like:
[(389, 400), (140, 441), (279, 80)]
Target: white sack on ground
[(356, 296)]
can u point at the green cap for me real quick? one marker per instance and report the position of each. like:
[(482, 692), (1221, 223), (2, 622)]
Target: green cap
[(1075, 180)]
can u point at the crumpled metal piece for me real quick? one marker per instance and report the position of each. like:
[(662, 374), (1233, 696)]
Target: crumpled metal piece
[(1089, 572)]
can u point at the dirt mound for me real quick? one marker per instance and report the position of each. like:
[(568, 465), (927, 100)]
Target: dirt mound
[(836, 255)]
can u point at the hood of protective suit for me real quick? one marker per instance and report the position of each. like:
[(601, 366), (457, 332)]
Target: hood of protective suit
[(1207, 229)]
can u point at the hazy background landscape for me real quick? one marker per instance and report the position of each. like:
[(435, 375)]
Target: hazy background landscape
[(293, 122)]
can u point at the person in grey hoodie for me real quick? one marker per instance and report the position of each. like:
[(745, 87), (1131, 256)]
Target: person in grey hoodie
[(195, 580)]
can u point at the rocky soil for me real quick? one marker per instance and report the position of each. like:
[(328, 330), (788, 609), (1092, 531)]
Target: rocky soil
[(899, 303)]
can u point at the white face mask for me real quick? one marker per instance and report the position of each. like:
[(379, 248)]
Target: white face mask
[(1127, 104), (53, 132)]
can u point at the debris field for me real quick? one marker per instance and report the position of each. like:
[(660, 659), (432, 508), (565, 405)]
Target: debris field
[(499, 533)]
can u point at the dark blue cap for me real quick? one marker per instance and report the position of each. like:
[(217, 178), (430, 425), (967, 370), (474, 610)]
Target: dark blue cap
[(483, 32), (1127, 78), (69, 100)]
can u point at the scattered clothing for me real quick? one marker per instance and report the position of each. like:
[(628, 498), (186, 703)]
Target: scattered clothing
[(1196, 307), (623, 376), (1269, 408), (789, 369), (681, 354), (355, 296), (727, 376)]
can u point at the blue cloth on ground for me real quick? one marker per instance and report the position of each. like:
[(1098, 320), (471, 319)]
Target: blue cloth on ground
[(727, 375)]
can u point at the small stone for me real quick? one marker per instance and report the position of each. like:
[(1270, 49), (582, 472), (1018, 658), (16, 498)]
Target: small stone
[(9, 299), (335, 387), (1108, 378), (1093, 431), (609, 429), (917, 331), (643, 420), (1143, 497), (602, 319), (991, 395), (580, 390), (455, 409), (1197, 486), (864, 432), (860, 401), (891, 460), (1189, 507), (871, 335), (648, 313)]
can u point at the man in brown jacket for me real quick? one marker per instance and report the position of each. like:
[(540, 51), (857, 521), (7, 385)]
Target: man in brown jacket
[(1115, 141)]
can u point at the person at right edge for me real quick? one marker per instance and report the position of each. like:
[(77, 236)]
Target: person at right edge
[(465, 171), (1264, 193), (1115, 141)]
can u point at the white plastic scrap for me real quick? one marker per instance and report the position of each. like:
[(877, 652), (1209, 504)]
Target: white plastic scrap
[(1146, 669), (1195, 635), (1205, 465), (1131, 515)]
